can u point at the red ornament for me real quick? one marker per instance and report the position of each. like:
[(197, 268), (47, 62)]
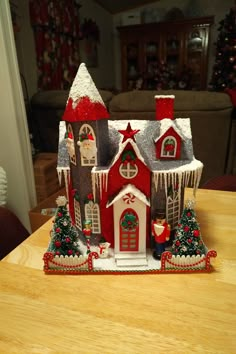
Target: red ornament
[(69, 252), (57, 253), (189, 214), (59, 214), (169, 147), (90, 196), (58, 229), (177, 243), (196, 233), (189, 240), (57, 244), (68, 240), (186, 228)]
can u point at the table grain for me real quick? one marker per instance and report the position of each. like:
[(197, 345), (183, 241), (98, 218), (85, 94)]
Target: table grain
[(150, 313)]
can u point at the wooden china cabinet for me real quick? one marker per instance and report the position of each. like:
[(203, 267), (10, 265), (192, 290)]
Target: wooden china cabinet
[(165, 55)]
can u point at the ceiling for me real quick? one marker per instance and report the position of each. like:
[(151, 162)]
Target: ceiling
[(115, 6)]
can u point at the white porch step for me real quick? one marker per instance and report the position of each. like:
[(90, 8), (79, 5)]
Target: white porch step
[(130, 255), (131, 261)]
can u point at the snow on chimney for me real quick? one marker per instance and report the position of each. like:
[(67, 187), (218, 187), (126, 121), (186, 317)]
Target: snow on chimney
[(164, 106)]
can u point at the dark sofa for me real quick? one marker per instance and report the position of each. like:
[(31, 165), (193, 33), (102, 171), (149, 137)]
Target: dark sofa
[(209, 112)]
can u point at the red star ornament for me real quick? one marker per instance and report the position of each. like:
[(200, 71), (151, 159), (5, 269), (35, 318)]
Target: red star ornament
[(129, 133)]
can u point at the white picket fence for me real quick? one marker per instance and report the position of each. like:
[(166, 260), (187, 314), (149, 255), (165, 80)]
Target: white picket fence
[(186, 262), (73, 262)]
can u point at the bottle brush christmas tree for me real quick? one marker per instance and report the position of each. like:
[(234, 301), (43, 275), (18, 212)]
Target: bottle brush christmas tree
[(64, 235), (224, 69), (188, 240)]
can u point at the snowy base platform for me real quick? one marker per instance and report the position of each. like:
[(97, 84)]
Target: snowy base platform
[(92, 264)]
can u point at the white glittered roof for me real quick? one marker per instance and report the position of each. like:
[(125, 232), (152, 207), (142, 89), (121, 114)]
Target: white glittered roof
[(83, 86)]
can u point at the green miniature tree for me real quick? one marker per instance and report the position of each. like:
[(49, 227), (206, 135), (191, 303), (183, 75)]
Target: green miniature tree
[(188, 240), (64, 235)]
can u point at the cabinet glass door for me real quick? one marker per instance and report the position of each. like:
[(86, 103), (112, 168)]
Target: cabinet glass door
[(195, 54), (132, 65), (172, 59), (151, 65)]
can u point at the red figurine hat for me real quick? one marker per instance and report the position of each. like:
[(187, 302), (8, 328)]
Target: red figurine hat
[(164, 107), (84, 101)]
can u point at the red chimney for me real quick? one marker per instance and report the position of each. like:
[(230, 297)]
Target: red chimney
[(164, 106)]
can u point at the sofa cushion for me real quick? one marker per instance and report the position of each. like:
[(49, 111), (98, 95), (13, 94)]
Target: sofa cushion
[(56, 99), (143, 101)]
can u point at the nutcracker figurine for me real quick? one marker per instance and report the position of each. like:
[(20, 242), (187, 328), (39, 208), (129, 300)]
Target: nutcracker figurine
[(87, 230), (160, 233)]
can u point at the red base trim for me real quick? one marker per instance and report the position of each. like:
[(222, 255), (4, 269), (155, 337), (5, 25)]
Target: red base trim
[(48, 256)]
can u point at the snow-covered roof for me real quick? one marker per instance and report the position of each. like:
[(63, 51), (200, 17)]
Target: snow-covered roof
[(176, 124), (83, 86), (130, 188), (122, 147), (149, 130)]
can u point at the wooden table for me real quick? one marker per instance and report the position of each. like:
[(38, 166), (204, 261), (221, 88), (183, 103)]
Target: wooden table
[(175, 313)]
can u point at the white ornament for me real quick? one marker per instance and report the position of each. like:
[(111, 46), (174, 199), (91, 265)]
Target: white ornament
[(61, 200)]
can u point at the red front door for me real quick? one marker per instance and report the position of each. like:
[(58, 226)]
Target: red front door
[(129, 231)]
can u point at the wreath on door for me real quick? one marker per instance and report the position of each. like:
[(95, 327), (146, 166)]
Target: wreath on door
[(129, 221)]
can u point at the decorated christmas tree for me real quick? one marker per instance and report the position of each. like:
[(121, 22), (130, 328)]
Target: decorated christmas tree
[(224, 69), (188, 239), (64, 235)]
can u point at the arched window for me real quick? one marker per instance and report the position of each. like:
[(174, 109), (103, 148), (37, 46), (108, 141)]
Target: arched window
[(87, 130), (169, 147), (173, 210), (78, 221), (92, 212), (128, 170)]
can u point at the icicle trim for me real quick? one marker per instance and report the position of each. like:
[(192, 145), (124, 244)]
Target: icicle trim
[(184, 178), (99, 180)]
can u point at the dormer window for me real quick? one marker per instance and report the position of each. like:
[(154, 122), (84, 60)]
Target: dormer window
[(169, 146)]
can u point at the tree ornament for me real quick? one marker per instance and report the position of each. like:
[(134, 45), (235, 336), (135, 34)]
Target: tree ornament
[(58, 244), (196, 233), (61, 201)]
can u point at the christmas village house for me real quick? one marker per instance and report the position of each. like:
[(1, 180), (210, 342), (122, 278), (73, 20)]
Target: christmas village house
[(119, 173)]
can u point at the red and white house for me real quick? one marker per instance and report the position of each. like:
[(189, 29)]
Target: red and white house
[(144, 174)]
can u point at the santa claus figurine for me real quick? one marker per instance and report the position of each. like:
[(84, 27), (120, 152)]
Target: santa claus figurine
[(87, 146), (161, 234)]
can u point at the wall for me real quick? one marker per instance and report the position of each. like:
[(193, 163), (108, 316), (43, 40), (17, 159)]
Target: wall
[(191, 8), (103, 75), (15, 151)]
